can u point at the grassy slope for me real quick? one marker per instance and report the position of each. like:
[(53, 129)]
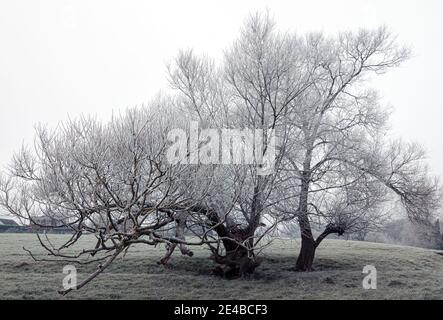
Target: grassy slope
[(403, 273)]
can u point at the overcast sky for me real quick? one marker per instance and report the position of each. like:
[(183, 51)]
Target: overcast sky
[(61, 58)]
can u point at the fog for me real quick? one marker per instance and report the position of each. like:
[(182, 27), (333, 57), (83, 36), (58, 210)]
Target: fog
[(59, 59)]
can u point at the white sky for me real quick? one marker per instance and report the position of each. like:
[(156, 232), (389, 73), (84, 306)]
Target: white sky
[(60, 58)]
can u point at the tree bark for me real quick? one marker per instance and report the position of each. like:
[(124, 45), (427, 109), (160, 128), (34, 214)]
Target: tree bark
[(307, 251), (239, 258), (236, 263), (309, 245), (306, 256)]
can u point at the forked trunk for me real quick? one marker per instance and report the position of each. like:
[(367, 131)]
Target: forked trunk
[(239, 258), (238, 261), (309, 245), (307, 253)]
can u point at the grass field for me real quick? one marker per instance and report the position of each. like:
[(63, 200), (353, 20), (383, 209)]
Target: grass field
[(403, 273)]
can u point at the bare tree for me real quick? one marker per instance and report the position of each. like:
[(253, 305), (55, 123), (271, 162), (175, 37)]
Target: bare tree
[(110, 180), (339, 160), (261, 75), (331, 164)]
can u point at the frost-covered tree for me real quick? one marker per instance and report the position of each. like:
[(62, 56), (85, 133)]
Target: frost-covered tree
[(331, 164), (259, 78), (110, 180), (338, 158)]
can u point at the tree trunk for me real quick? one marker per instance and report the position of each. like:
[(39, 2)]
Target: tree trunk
[(237, 263), (309, 245), (179, 234), (239, 258), (307, 253)]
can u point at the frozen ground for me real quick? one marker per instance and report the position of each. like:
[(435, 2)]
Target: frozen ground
[(403, 273)]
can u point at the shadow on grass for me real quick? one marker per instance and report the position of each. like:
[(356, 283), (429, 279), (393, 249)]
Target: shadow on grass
[(273, 268)]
